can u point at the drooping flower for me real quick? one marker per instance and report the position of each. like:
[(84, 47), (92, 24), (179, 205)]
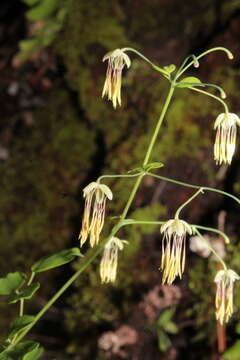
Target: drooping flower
[(225, 142), (224, 294), (95, 195), (109, 261), (117, 59), (173, 249)]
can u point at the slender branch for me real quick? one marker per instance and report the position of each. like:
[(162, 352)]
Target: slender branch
[(212, 250), (142, 222), (118, 176), (187, 202), (219, 232), (213, 96), (202, 84), (21, 310), (205, 188), (159, 69), (194, 62), (219, 48), (156, 131)]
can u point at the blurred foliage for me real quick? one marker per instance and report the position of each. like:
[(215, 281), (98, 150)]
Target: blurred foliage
[(76, 136), (48, 18), (165, 326)]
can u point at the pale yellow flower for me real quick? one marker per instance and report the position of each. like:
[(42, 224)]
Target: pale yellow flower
[(173, 249), (95, 195), (224, 294), (117, 59), (225, 142), (109, 261)]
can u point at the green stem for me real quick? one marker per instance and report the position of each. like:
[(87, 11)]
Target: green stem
[(219, 48), (141, 222), (213, 96), (118, 176), (31, 278), (156, 131), (114, 230), (187, 202), (212, 250), (204, 188), (159, 69), (219, 232), (21, 310), (194, 62)]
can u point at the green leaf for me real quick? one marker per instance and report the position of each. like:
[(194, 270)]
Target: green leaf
[(55, 260), (170, 328), (20, 351), (20, 324), (34, 354), (170, 68), (233, 352), (26, 293), (11, 283), (165, 317), (189, 82), (164, 342), (43, 10), (153, 165)]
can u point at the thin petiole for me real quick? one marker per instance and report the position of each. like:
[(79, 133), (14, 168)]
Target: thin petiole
[(212, 250), (205, 188), (219, 232), (187, 202), (219, 48), (213, 96)]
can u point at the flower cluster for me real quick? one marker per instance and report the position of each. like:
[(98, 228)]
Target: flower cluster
[(174, 230), (117, 59), (108, 265), (95, 195), (173, 249), (225, 142), (224, 294)]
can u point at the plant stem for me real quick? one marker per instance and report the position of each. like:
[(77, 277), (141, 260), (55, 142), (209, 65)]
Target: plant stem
[(205, 188), (159, 69), (94, 253), (156, 131), (21, 310), (213, 251), (219, 232), (213, 96), (219, 48), (118, 176), (142, 222), (187, 202)]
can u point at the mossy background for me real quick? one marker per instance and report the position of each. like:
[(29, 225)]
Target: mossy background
[(57, 135)]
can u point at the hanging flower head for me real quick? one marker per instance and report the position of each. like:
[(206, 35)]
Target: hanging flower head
[(173, 248), (109, 262), (95, 195), (117, 59), (225, 142), (224, 294)]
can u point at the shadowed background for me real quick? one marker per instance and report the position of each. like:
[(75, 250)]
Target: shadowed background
[(57, 135)]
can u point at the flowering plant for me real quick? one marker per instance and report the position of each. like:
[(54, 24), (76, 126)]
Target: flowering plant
[(96, 194)]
